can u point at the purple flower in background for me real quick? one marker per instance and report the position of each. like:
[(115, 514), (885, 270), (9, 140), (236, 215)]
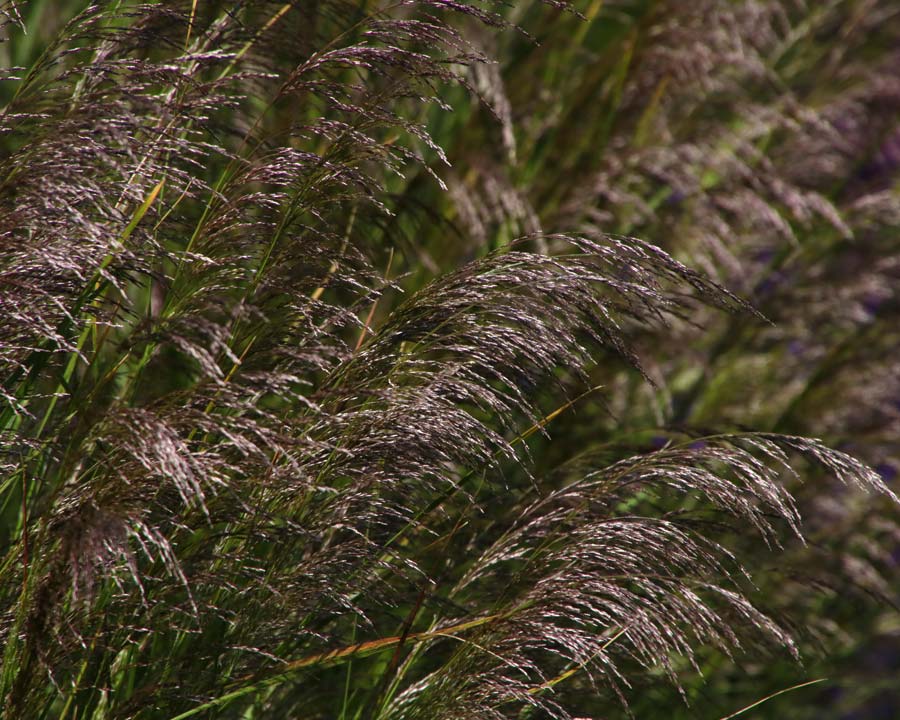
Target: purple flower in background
[(885, 163), (872, 302), (676, 197), (796, 347), (771, 283), (887, 471)]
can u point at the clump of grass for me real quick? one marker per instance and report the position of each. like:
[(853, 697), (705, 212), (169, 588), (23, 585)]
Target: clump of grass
[(251, 453)]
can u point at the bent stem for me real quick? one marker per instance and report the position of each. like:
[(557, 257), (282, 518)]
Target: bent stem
[(333, 657)]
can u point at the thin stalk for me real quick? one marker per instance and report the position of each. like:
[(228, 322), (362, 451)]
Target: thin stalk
[(332, 657), (773, 695)]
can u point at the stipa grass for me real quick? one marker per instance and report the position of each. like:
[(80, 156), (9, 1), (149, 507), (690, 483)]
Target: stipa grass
[(241, 471)]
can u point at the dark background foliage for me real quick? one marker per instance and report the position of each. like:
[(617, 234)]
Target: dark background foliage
[(437, 359)]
